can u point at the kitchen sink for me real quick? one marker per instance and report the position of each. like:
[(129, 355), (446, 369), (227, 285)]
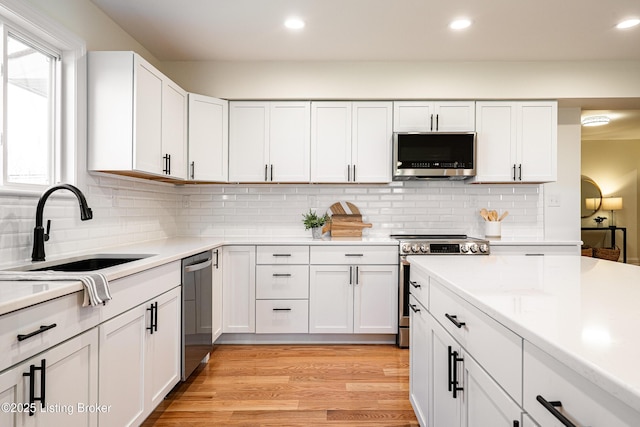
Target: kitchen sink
[(85, 263)]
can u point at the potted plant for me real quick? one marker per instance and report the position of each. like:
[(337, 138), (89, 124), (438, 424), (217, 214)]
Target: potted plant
[(312, 221)]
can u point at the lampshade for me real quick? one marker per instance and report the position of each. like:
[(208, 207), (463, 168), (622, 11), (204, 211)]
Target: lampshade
[(591, 203), (612, 203)]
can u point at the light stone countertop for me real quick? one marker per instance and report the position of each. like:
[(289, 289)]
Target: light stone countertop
[(582, 311)]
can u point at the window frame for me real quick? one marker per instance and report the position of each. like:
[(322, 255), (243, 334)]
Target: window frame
[(69, 148)]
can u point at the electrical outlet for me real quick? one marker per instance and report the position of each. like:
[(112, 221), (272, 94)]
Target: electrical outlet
[(554, 201), (186, 202)]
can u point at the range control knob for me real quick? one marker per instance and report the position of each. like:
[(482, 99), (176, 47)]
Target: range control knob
[(406, 248), (464, 248), (484, 248), (415, 248), (424, 248), (474, 248)]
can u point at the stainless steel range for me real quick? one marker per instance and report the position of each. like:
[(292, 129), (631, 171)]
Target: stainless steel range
[(428, 244)]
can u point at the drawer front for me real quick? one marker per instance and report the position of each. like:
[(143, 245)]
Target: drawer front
[(584, 403), (282, 316), (419, 286), (281, 254), (282, 281), (354, 255), (66, 313), (480, 336)]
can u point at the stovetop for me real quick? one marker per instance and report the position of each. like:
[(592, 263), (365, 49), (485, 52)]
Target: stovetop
[(441, 244)]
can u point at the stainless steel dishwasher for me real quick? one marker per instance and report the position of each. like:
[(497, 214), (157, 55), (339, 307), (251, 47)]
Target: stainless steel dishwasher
[(197, 331)]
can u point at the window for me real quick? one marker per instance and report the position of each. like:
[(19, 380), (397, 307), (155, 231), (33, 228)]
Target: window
[(30, 100), (42, 109)]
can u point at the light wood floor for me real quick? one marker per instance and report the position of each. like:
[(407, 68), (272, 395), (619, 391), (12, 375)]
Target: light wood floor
[(294, 385)]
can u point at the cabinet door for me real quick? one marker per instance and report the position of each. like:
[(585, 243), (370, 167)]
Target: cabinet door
[(496, 142), (174, 128), (455, 116), (371, 141), (208, 138), (375, 299), (331, 299), (71, 384), (289, 141), (148, 117), (413, 116), (419, 360), (118, 367), (239, 289), (248, 141), (331, 142), (444, 409), (162, 351), (216, 307), (537, 141), (485, 403)]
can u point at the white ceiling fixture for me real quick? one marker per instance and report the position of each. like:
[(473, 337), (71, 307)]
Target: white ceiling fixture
[(629, 23), (294, 23), (460, 24), (595, 121)]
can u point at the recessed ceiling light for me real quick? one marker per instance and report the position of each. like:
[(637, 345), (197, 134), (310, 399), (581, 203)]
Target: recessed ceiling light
[(294, 23), (628, 23), (595, 121), (459, 24)]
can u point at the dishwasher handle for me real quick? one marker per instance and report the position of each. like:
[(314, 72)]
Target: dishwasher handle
[(198, 266)]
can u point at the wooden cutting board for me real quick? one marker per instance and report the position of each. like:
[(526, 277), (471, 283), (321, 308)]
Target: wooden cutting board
[(346, 220)]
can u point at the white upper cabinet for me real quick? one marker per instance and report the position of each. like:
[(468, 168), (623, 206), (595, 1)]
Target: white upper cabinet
[(269, 141), (208, 138), (517, 141), (433, 116), (351, 141), (137, 118)]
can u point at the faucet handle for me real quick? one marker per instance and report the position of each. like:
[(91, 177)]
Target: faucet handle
[(46, 234)]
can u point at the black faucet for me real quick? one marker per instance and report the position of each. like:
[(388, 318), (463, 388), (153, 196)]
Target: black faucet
[(39, 236)]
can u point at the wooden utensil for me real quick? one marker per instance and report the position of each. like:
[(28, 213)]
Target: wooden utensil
[(484, 214), (503, 216)]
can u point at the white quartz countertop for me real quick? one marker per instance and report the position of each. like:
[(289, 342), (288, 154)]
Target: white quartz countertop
[(582, 311), (15, 295)]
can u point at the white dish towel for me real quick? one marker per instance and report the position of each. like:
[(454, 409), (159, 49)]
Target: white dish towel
[(96, 286)]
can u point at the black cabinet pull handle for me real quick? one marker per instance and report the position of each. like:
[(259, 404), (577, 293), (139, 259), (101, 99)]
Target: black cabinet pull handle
[(357, 275), (454, 320), (414, 308), (32, 385), (449, 367), (348, 173), (353, 254), (454, 382), (514, 171), (520, 171), (437, 121), (551, 407), (281, 309), (354, 173), (193, 170), (431, 123), (217, 259), (285, 255), (43, 328), (153, 323), (516, 423), (414, 284), (271, 173), (266, 169), (281, 274), (351, 275)]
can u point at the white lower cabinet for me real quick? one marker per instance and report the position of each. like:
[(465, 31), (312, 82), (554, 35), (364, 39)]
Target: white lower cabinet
[(553, 391), (239, 289), (140, 359), (419, 360), (65, 377), (353, 299), (216, 307)]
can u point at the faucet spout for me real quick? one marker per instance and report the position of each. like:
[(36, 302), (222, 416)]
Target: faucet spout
[(39, 236)]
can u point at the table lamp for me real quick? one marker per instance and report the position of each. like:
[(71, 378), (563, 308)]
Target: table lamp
[(591, 203), (612, 204)]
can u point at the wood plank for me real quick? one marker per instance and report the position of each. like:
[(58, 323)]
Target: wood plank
[(293, 385)]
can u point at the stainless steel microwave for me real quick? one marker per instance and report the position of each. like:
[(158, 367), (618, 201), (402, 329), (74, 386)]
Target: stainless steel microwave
[(433, 155)]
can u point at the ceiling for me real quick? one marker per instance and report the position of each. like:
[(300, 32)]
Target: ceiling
[(392, 30)]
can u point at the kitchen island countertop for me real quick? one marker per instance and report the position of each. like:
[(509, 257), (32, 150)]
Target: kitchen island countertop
[(582, 311)]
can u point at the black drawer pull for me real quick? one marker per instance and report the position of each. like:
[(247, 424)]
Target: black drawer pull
[(32, 385), (281, 254), (414, 308), (454, 381), (551, 407), (281, 274), (454, 320), (281, 309), (414, 284), (353, 254), (22, 337)]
